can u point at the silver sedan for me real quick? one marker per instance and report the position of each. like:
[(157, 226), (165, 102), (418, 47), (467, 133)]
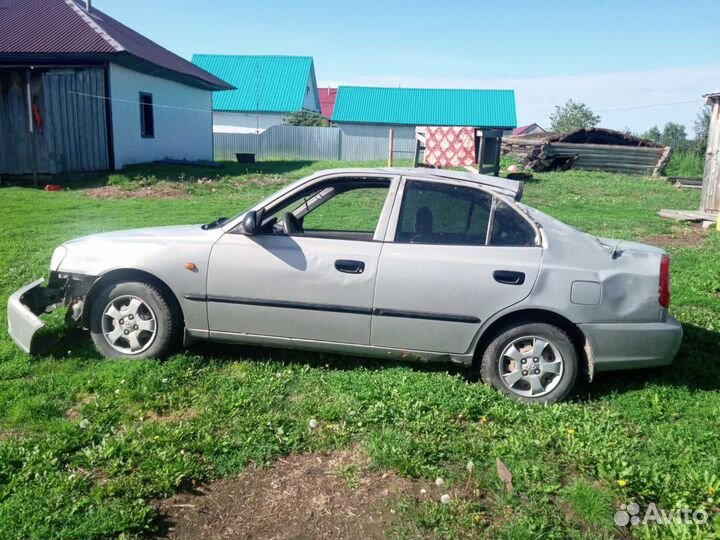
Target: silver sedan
[(414, 264)]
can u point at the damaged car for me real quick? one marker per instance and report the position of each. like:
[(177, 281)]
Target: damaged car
[(413, 264)]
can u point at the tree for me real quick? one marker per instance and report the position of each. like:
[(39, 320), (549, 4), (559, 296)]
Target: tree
[(652, 134), (702, 128), (306, 118), (573, 116), (674, 135)]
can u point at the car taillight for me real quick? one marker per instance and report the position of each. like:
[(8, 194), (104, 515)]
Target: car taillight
[(664, 297)]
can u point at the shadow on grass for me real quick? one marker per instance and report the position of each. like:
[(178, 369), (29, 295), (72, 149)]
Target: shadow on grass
[(76, 343), (696, 367)]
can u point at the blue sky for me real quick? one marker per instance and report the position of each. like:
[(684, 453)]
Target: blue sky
[(636, 63)]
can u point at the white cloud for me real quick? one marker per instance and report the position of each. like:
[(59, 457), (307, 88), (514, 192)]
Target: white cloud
[(637, 100)]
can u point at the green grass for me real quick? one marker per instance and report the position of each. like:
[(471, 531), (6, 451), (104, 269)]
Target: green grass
[(86, 443), (685, 163)]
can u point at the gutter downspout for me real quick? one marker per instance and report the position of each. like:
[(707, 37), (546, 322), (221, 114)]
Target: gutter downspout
[(31, 127), (108, 118)]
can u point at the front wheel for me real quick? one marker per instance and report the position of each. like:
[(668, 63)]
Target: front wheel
[(533, 363), (133, 320)]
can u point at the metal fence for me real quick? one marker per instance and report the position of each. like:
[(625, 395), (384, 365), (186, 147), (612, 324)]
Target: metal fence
[(310, 143)]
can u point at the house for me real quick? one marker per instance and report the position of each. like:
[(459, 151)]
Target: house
[(530, 129), (80, 91), (267, 90), (370, 112), (327, 101)]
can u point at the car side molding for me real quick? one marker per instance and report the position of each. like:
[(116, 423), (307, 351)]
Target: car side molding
[(378, 312)]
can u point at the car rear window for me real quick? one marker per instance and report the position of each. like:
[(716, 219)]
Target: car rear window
[(434, 213), (510, 228)]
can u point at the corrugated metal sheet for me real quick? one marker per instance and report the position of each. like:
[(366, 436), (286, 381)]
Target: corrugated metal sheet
[(370, 142), (74, 131), (61, 27), (281, 142), (314, 143), (47, 26), (426, 107), (263, 83), (141, 47)]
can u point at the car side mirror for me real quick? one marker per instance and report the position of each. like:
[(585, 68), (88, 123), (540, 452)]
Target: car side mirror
[(249, 222)]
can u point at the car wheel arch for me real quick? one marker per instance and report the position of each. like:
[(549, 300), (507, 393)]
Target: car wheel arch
[(120, 275), (536, 315)]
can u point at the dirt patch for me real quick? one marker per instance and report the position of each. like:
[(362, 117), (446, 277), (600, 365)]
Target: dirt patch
[(73, 413), (261, 180), (158, 191), (319, 496), (173, 416), (688, 237), (6, 434)]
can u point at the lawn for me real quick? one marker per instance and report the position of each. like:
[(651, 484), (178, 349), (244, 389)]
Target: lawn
[(88, 446)]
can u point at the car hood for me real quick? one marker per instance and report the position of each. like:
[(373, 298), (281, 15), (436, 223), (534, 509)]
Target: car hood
[(154, 235)]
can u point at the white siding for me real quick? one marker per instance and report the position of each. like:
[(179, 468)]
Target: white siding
[(242, 122), (182, 115)]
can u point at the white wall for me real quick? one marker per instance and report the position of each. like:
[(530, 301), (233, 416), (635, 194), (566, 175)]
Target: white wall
[(240, 122), (182, 114)]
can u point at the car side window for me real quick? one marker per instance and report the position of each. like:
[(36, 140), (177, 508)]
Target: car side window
[(347, 209), (434, 213), (356, 210), (510, 229)]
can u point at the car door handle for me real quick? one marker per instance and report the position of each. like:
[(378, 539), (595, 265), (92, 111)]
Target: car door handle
[(509, 277), (349, 267)]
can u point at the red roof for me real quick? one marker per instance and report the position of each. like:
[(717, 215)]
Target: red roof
[(524, 129), (327, 101), (53, 31)]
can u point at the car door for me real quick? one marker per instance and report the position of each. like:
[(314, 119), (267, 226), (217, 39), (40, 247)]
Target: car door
[(454, 255), (311, 285)]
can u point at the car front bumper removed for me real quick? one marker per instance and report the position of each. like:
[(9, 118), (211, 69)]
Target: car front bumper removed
[(633, 345), (23, 308)]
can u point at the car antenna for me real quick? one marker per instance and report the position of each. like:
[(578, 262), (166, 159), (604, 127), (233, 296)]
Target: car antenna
[(616, 251)]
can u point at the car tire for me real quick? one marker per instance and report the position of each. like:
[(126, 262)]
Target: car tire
[(133, 320), (532, 362)]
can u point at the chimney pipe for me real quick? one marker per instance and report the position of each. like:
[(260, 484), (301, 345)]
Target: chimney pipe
[(88, 5)]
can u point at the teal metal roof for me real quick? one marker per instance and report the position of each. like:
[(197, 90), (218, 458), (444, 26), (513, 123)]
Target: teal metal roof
[(424, 106), (263, 83)]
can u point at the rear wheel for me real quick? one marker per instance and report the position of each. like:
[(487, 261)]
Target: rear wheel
[(533, 363), (133, 320)]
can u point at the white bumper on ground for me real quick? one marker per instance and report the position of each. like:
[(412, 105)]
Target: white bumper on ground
[(23, 323)]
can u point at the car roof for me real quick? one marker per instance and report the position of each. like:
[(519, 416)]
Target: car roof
[(512, 188)]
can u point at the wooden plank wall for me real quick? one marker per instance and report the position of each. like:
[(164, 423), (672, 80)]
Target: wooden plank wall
[(710, 201), (74, 134)]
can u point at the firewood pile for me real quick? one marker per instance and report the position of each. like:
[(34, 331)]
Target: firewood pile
[(592, 149)]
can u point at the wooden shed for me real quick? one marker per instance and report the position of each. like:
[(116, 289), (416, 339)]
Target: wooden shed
[(710, 201), (68, 132), (80, 91), (591, 148)]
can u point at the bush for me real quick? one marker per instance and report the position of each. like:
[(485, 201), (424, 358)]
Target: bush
[(685, 163)]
